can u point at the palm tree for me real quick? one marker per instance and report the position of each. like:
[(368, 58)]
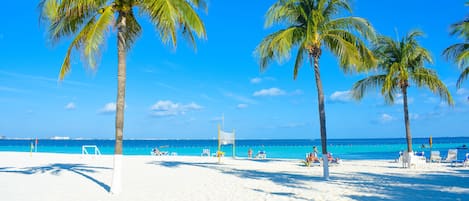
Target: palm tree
[(313, 25), (400, 63), (459, 52), (88, 22)]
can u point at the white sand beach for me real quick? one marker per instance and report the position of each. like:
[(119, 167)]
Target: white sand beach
[(58, 177)]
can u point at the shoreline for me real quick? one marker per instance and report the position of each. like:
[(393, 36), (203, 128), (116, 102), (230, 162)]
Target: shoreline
[(54, 177)]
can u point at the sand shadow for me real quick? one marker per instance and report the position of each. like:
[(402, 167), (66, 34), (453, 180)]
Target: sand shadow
[(287, 179), (58, 168), (409, 187)]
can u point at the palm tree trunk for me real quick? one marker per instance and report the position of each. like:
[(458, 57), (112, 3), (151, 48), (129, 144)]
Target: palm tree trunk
[(407, 122), (116, 186), (322, 117)]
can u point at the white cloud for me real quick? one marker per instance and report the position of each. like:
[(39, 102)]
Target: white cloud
[(414, 116), (297, 92), (70, 106), (270, 92), (239, 98), (108, 108), (386, 118), (168, 108), (215, 119), (400, 101), (341, 96), (241, 106), (462, 91), (256, 80)]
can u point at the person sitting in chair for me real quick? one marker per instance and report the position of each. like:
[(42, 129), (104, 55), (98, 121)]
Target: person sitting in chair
[(156, 151), (312, 157)]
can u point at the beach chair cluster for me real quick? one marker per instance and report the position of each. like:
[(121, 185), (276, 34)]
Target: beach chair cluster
[(413, 159), (416, 159)]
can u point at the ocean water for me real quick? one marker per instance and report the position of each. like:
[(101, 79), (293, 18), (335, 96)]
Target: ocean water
[(348, 149)]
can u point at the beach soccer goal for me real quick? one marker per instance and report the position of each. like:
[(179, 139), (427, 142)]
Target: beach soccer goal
[(225, 138), (90, 149)]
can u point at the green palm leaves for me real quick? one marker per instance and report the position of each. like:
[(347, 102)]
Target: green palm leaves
[(459, 52), (311, 25), (401, 62), (89, 21)]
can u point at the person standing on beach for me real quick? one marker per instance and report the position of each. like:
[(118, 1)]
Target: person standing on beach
[(249, 152), (315, 150)]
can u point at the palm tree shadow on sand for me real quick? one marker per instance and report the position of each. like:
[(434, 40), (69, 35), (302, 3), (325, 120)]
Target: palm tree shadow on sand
[(58, 168)]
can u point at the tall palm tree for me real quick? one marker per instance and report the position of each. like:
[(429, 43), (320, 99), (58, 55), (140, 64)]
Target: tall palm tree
[(89, 21), (314, 25), (459, 52), (400, 63)]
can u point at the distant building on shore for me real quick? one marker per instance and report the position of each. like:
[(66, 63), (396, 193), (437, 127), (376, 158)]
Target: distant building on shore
[(60, 138)]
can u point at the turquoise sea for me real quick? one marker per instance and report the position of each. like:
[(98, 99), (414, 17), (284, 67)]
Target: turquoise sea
[(349, 149)]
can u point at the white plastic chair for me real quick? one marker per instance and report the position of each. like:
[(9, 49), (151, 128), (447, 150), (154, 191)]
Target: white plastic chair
[(452, 156), (205, 152), (435, 156)]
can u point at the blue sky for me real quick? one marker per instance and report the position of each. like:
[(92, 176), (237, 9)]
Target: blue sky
[(183, 94)]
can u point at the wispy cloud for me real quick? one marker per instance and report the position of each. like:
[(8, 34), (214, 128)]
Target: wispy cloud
[(414, 116), (341, 96), (108, 108), (239, 98), (70, 106), (385, 118), (168, 108), (400, 100), (462, 91), (9, 89), (256, 80), (216, 119), (297, 92), (270, 92), (41, 78), (241, 106)]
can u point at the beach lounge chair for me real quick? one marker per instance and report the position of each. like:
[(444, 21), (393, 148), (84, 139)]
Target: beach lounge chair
[(466, 161), (205, 152), (452, 156), (411, 159), (261, 155), (435, 156)]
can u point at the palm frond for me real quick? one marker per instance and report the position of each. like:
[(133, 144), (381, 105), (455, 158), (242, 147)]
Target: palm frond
[(462, 77), (459, 53), (335, 6), (66, 17), (424, 77), (77, 43), (350, 50), (95, 36), (169, 16), (278, 45), (288, 11), (361, 87), (299, 60), (358, 24)]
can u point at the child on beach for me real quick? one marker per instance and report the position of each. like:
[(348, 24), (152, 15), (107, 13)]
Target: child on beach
[(249, 153)]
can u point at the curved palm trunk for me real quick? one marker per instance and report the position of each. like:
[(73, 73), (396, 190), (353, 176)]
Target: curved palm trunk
[(322, 117), (116, 186), (406, 119)]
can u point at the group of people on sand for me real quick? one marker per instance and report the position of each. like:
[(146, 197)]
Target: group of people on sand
[(313, 157)]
